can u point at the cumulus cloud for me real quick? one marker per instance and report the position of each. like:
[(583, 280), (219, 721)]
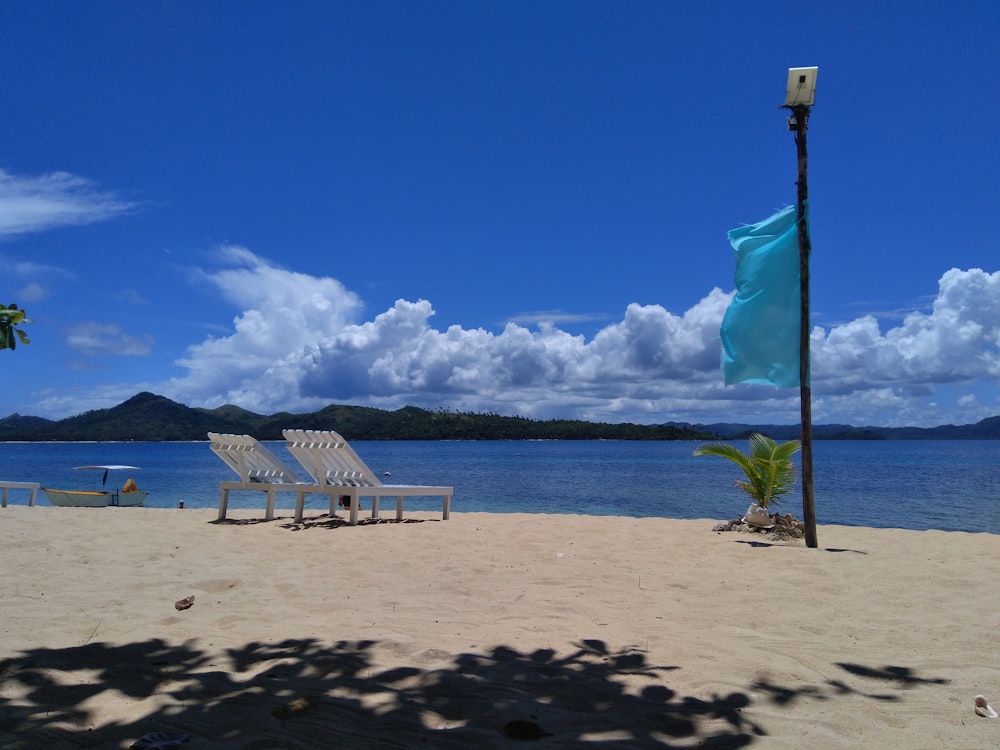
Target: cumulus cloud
[(42, 202), (299, 343), (861, 370), (958, 341), (285, 315)]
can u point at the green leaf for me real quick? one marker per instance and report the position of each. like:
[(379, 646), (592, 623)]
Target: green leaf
[(769, 470)]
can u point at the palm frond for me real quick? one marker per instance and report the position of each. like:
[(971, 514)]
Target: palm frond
[(725, 450), (769, 470)]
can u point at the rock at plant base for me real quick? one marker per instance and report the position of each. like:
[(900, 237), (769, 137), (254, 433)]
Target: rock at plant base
[(757, 516), (780, 528)]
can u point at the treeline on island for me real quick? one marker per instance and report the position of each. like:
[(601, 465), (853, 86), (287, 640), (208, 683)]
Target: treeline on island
[(148, 417)]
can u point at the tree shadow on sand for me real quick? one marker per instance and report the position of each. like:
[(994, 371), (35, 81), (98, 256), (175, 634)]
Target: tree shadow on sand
[(324, 521), (899, 678), (304, 693)]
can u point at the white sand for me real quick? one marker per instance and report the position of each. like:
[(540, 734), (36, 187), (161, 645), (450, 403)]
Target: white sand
[(604, 632)]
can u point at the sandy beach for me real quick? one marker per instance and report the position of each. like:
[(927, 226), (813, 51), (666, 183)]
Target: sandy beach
[(488, 630)]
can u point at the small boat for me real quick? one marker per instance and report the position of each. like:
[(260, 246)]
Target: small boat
[(128, 496)]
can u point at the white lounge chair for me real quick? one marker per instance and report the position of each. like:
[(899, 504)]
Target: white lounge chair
[(258, 469), (332, 463)]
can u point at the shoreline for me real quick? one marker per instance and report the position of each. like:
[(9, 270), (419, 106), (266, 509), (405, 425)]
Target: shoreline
[(639, 631), (284, 510)]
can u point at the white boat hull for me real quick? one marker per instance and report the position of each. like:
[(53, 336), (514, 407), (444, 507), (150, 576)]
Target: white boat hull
[(90, 499)]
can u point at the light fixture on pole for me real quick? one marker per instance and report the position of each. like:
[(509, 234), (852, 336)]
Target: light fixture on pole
[(799, 97)]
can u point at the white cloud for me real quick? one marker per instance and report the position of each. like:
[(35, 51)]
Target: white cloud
[(284, 316), (42, 202), (298, 344), (133, 297), (35, 278), (31, 292), (102, 339), (958, 341)]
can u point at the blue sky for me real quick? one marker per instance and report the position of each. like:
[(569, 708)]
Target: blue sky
[(516, 207)]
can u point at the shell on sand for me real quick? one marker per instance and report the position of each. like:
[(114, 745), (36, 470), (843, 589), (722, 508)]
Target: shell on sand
[(292, 710)]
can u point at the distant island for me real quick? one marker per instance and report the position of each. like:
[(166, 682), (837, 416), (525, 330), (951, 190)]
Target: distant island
[(152, 418)]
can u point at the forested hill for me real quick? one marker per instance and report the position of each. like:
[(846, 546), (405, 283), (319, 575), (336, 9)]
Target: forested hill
[(149, 417), (986, 429)]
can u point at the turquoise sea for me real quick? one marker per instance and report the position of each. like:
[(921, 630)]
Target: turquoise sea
[(948, 485)]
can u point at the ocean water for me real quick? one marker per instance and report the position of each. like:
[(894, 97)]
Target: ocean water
[(947, 485)]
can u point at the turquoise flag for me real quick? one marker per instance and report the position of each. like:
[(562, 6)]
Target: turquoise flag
[(760, 330)]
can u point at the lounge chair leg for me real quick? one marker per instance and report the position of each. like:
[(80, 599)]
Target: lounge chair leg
[(223, 504), (446, 514), (399, 507), (355, 502), (269, 513), (375, 507), (300, 502)]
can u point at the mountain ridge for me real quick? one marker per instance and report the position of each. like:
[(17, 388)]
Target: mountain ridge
[(149, 417)]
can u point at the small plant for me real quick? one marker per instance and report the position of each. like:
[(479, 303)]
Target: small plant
[(770, 472)]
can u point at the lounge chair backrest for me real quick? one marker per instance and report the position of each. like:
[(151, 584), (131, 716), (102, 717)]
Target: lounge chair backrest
[(329, 459), (251, 461)]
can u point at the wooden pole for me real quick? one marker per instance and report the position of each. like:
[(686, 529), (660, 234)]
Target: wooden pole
[(801, 114)]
